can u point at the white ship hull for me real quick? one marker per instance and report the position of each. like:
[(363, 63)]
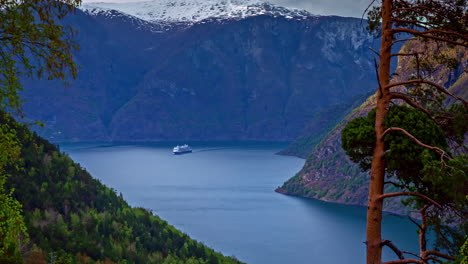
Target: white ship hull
[(182, 150)]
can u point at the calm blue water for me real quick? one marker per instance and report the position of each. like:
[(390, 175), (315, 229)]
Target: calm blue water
[(222, 195)]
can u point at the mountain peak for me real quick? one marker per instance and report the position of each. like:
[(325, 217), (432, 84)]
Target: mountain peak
[(192, 11)]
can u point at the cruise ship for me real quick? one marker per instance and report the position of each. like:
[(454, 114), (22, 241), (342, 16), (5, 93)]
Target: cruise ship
[(182, 149)]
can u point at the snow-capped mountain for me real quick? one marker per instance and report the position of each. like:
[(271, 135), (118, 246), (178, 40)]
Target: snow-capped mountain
[(242, 71), (192, 11)]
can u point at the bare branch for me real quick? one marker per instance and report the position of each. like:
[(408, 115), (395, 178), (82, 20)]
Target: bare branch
[(395, 194), (403, 40), (376, 52), (367, 9), (415, 22), (414, 222), (435, 85), (429, 34), (376, 67), (411, 253), (405, 98), (438, 254), (422, 231), (419, 24), (444, 117), (404, 54), (392, 246), (403, 261)]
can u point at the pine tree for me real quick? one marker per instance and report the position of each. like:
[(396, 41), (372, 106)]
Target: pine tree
[(441, 22)]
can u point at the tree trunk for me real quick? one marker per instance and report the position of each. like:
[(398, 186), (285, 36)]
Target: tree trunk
[(377, 174)]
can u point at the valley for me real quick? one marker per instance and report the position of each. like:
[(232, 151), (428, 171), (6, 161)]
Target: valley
[(301, 137), (260, 77)]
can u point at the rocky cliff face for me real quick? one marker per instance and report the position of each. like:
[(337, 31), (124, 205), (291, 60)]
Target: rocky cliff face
[(261, 78), (258, 77), (329, 175)]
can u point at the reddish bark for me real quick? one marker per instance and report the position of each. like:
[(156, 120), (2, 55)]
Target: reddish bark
[(377, 174), (384, 96)]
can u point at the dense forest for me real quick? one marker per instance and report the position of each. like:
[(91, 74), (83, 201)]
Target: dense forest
[(71, 217)]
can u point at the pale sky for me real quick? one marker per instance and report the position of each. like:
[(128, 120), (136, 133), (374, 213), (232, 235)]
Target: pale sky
[(352, 8)]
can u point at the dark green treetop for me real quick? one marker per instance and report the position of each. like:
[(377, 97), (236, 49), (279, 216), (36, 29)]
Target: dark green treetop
[(403, 156)]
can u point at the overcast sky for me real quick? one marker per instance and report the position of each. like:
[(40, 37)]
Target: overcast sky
[(352, 8)]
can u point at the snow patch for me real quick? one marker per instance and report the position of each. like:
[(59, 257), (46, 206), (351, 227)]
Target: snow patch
[(193, 11)]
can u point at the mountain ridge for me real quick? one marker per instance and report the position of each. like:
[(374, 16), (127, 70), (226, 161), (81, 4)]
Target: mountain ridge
[(141, 81), (195, 11)]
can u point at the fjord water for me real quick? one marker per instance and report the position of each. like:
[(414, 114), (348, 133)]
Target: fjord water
[(222, 195)]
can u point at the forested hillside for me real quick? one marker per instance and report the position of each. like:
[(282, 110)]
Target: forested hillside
[(73, 218)]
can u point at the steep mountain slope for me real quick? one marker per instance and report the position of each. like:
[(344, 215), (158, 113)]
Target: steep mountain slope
[(254, 79), (319, 126), (73, 218), (260, 77), (329, 175), (112, 61)]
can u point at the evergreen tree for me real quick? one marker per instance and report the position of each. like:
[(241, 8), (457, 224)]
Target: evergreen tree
[(436, 21)]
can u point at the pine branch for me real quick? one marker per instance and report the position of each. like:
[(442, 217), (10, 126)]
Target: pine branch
[(419, 24), (392, 246), (373, 50), (395, 194), (411, 253), (442, 153), (403, 261), (414, 222), (430, 35), (435, 85), (376, 67), (405, 98), (438, 254), (404, 54)]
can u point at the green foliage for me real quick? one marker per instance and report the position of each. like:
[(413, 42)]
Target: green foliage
[(33, 43), (419, 169), (425, 15), (456, 127), (463, 259), (404, 157), (358, 140), (12, 225), (449, 180), (373, 21), (449, 185), (74, 217)]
